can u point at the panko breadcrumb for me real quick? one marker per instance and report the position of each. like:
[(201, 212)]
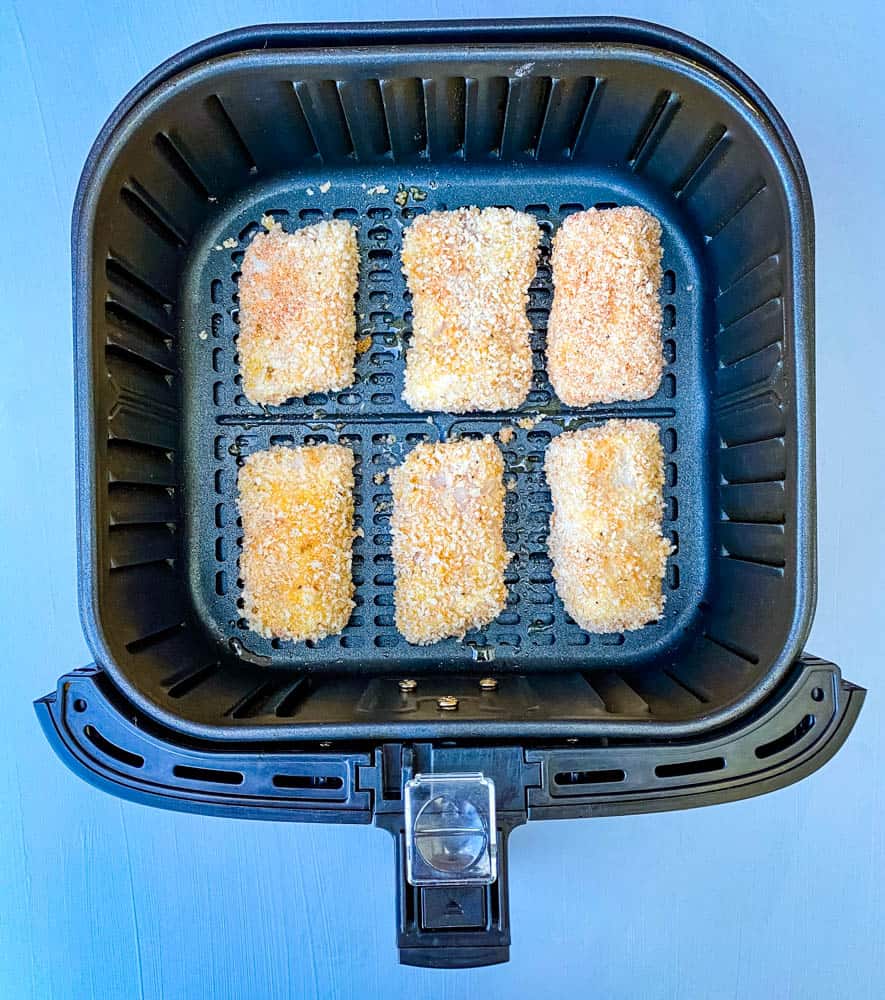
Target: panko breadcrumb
[(469, 273), (608, 553), (448, 539), (297, 511), (604, 332), (297, 322)]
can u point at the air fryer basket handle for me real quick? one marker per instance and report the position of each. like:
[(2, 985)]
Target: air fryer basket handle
[(453, 927)]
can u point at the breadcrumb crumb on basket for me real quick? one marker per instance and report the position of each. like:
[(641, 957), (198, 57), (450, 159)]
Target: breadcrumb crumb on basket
[(609, 555), (469, 272), (297, 511), (604, 331), (297, 317), (448, 539)]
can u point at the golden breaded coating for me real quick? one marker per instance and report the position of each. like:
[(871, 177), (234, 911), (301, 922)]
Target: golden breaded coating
[(604, 332), (469, 273), (448, 539), (605, 541), (297, 322), (297, 511)]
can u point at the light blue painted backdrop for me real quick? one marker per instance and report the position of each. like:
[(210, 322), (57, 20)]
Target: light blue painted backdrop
[(774, 897)]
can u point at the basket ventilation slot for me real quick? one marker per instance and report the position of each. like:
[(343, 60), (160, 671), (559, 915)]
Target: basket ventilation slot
[(111, 749), (789, 739), (210, 775)]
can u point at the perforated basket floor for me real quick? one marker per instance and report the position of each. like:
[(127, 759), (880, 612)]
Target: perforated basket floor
[(370, 417)]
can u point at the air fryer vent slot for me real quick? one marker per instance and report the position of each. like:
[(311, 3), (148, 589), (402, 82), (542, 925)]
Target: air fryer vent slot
[(801, 729), (111, 749), (212, 775), (602, 777), (685, 768)]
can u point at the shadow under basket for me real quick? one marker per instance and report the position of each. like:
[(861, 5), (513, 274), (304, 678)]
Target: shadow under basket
[(376, 125)]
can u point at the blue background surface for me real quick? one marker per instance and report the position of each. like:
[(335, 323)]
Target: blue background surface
[(780, 896)]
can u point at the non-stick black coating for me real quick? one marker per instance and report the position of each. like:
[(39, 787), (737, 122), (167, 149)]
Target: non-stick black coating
[(565, 116)]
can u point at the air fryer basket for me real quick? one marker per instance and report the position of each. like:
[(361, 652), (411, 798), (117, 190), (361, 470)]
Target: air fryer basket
[(376, 125), (306, 134)]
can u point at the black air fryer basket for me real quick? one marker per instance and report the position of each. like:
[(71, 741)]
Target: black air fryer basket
[(185, 707)]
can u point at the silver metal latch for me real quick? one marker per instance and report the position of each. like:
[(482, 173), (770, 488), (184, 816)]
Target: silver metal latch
[(450, 830)]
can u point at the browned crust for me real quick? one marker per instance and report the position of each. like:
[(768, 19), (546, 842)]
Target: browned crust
[(468, 272), (297, 322), (297, 511), (448, 541), (604, 332), (609, 555)]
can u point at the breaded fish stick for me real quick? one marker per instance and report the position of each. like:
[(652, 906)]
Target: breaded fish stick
[(297, 322), (448, 539), (604, 331), (605, 541), (469, 273), (297, 511)]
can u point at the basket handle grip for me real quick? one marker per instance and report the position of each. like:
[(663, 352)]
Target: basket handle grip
[(453, 927)]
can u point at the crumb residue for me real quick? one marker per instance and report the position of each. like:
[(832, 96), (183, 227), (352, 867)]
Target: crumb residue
[(230, 243), (403, 194), (505, 434), (324, 187), (363, 344)]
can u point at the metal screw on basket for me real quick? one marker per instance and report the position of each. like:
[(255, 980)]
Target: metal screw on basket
[(572, 739), (408, 684), (488, 684), (325, 745), (448, 703)]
